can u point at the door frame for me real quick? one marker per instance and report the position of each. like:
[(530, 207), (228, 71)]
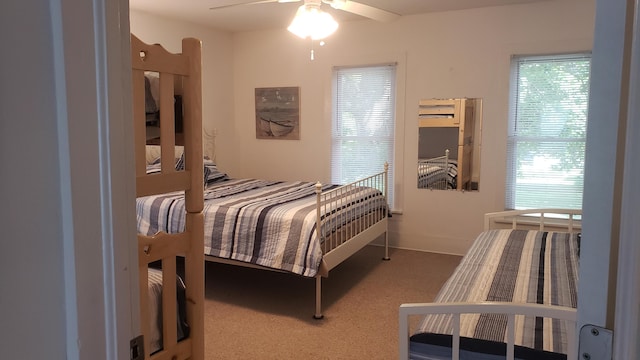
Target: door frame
[(609, 250), (92, 65), (608, 213)]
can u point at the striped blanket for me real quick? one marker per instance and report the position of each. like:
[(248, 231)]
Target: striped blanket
[(268, 223), (514, 266)]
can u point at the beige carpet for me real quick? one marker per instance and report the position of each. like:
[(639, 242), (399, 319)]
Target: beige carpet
[(257, 314)]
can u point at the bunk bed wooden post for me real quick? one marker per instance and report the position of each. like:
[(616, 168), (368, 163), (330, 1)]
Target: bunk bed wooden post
[(194, 197), (165, 247)]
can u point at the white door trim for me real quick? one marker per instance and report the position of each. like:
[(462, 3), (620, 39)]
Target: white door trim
[(121, 261), (602, 185), (93, 87), (627, 315)]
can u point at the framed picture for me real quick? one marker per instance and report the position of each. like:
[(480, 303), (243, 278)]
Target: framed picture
[(278, 113)]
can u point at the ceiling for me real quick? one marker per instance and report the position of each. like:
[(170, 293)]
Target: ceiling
[(278, 15)]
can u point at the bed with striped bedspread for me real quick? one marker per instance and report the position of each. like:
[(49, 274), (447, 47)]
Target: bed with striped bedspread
[(262, 222), (523, 266)]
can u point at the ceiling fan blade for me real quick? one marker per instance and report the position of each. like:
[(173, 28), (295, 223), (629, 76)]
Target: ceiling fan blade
[(248, 2), (363, 10)]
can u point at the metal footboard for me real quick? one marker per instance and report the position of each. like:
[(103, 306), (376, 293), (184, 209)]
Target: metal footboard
[(511, 310), (348, 218)]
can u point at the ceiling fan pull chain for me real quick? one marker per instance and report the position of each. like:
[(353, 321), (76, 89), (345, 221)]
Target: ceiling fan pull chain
[(312, 52)]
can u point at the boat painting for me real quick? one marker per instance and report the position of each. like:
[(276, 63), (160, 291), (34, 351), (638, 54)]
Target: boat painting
[(277, 113), (275, 128)]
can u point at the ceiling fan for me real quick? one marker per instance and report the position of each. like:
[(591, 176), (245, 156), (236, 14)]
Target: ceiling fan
[(354, 7)]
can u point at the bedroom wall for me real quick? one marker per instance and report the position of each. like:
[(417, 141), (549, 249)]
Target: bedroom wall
[(29, 75), (217, 79), (444, 55), (441, 55)]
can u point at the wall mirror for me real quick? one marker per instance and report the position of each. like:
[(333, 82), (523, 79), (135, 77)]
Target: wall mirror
[(449, 144)]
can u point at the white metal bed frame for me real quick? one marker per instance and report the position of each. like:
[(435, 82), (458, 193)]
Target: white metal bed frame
[(339, 245), (534, 218)]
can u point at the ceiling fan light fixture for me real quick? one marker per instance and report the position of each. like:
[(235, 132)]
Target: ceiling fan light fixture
[(312, 22)]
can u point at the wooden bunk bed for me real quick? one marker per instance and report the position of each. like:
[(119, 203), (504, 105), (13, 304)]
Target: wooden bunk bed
[(438, 115), (513, 295), (176, 71)]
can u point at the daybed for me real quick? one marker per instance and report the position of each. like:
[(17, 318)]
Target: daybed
[(513, 294)]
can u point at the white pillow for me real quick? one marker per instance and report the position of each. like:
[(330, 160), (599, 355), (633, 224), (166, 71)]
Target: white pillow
[(153, 153)]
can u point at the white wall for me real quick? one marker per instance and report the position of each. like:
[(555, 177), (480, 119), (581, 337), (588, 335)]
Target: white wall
[(445, 55), (69, 204), (440, 55), (28, 98)]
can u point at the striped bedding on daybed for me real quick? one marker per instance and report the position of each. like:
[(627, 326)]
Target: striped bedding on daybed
[(513, 266), (268, 223)]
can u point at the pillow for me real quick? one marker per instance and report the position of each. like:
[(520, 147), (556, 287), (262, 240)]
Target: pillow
[(210, 171), (153, 153), (212, 174)]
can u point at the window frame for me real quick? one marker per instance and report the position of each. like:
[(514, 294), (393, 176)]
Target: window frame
[(513, 139), (393, 159)]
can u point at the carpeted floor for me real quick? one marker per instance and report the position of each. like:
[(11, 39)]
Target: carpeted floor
[(257, 314)]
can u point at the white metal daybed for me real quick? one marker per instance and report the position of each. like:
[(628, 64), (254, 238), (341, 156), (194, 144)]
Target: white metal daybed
[(513, 294)]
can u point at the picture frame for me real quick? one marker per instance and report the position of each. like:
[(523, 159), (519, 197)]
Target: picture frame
[(277, 111)]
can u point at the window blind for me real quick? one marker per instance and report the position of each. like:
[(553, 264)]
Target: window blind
[(547, 131), (363, 123)]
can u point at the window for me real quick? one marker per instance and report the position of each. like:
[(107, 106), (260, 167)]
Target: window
[(363, 123), (547, 131)]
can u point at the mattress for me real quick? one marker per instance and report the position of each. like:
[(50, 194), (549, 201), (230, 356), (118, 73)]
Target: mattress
[(521, 266)]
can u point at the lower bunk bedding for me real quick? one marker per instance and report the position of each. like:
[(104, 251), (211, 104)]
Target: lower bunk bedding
[(155, 308), (528, 272)]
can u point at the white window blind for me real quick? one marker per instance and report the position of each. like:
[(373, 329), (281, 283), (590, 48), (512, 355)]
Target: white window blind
[(363, 123), (547, 131)]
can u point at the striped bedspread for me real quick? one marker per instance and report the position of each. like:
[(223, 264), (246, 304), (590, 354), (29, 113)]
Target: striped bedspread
[(514, 266), (268, 223)]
